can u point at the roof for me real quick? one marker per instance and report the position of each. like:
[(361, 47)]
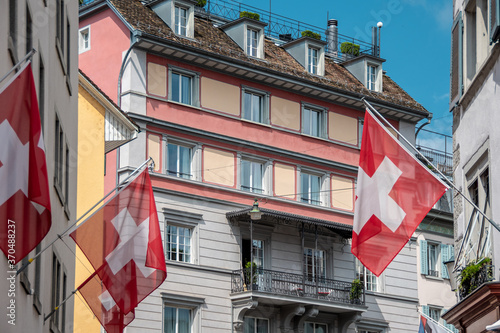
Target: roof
[(212, 39), (343, 230)]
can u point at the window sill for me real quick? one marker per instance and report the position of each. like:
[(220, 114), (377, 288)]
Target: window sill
[(436, 278), (256, 123)]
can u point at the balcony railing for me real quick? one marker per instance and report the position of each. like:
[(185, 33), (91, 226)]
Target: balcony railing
[(485, 274), (295, 285)]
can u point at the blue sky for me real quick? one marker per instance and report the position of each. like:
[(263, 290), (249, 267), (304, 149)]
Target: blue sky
[(415, 41)]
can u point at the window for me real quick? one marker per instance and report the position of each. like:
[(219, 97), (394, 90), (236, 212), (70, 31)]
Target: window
[(315, 264), (252, 40), (60, 23), (255, 325), (310, 188), (258, 252), (181, 313), (183, 86), (58, 170), (181, 18), (84, 39), (58, 290), (370, 281), (37, 287), (371, 77), (315, 328), (313, 122), (179, 160), (252, 174), (312, 60), (29, 31), (178, 243), (176, 320), (255, 105), (13, 22), (433, 255)]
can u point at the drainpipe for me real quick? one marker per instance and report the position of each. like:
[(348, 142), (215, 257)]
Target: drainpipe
[(425, 124)]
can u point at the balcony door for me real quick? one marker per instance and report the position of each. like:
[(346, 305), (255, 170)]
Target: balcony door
[(254, 249)]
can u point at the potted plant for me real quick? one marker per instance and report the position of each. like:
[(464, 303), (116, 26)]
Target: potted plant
[(253, 16), (470, 276), (250, 273), (349, 48), (309, 33), (356, 291)]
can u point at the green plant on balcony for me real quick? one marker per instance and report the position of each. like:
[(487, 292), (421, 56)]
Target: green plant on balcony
[(201, 3), (349, 48), (356, 291), (253, 16), (250, 273), (470, 277), (309, 33)]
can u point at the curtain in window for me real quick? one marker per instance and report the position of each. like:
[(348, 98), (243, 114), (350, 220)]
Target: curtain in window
[(184, 321), (251, 176), (169, 320), (310, 189)]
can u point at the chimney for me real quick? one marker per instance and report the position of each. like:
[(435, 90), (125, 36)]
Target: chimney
[(332, 34), (374, 42)]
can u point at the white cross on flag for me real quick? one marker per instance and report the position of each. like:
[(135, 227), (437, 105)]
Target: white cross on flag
[(25, 216), (123, 243), (394, 193)]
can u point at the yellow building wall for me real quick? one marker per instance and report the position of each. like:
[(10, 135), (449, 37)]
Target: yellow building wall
[(343, 193), (220, 96), (90, 181), (285, 113), (284, 180), (218, 167)]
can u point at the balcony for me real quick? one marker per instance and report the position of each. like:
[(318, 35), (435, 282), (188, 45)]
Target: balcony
[(294, 285), (484, 275)]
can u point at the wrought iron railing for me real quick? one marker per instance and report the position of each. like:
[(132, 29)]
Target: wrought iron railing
[(295, 285), (485, 274), (442, 160)]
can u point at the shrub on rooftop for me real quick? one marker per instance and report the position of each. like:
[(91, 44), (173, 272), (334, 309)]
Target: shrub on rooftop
[(349, 48), (253, 16), (201, 3), (309, 33)]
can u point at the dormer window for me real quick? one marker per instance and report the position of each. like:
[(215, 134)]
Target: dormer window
[(312, 60), (248, 34), (371, 78), (252, 42), (181, 17), (309, 52), (178, 15)]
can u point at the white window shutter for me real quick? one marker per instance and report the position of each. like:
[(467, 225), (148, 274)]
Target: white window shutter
[(425, 308), (445, 256)]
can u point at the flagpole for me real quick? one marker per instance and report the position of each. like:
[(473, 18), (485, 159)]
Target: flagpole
[(436, 322), (449, 182), (26, 57), (61, 304), (59, 236)]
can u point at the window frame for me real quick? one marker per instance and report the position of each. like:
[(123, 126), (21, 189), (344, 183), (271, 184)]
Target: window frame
[(264, 104), (194, 304), (251, 43), (314, 260), (371, 76), (314, 326), (322, 120), (186, 220), (313, 53), (58, 293), (178, 28), (250, 188), (194, 85), (59, 164), (81, 41), (366, 273), (195, 164), (324, 186), (255, 321)]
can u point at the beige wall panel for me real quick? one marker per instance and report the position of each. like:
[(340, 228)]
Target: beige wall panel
[(220, 96), (285, 113), (343, 128), (393, 132), (342, 193), (284, 180), (154, 150), (218, 167), (157, 79)]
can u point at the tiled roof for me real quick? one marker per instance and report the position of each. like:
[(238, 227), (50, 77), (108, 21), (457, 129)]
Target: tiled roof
[(212, 39)]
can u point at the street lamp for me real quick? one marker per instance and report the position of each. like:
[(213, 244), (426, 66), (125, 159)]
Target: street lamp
[(450, 264), (255, 213)]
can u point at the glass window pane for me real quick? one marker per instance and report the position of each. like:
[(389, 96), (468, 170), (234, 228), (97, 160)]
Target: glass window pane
[(262, 325), (257, 108), (185, 162), (308, 328), (176, 87), (307, 121), (247, 106), (172, 159), (169, 320), (249, 325), (186, 89), (320, 328), (184, 321)]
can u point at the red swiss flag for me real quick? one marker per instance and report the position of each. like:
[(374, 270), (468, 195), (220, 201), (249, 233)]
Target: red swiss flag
[(123, 243), (25, 216), (394, 194)]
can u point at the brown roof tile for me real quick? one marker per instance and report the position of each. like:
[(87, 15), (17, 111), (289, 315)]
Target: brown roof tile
[(212, 39)]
